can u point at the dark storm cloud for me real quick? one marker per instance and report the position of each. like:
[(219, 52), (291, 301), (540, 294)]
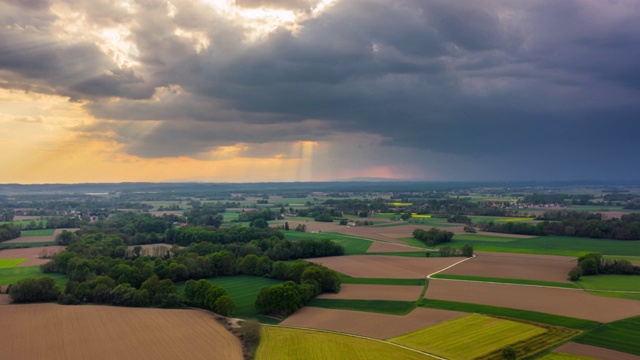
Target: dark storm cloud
[(484, 82)]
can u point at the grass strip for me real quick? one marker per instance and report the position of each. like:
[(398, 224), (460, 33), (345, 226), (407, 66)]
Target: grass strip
[(556, 320), (13, 275), (25, 245), (375, 306), (39, 232), (621, 335), (506, 281)]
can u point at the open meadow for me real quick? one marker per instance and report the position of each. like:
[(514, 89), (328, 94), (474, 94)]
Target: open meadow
[(51, 331), (33, 256)]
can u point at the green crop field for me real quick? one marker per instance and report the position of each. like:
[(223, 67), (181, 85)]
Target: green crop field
[(377, 306), (552, 245), (406, 253), (506, 281), (15, 274), (610, 282), (39, 232), (486, 238), (352, 244), (10, 263), (621, 335), (287, 343), (469, 337), (477, 219), (243, 290), (229, 216), (556, 320)]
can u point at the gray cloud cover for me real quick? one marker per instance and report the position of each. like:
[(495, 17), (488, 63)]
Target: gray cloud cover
[(475, 90)]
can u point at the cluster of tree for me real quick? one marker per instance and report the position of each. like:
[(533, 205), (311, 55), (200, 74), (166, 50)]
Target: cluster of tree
[(358, 206), (34, 290), (595, 263), (204, 294), (60, 222), (304, 282), (465, 250), (8, 232), (184, 236), (323, 217), (560, 215), (251, 216), (459, 219), (626, 228), (433, 236), (7, 215), (205, 214)]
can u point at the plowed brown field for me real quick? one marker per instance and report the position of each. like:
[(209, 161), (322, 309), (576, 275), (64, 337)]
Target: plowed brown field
[(516, 266), (31, 254), (558, 301), (379, 326), (51, 331), (378, 246), (392, 233), (376, 292), (32, 239), (380, 266), (595, 352)]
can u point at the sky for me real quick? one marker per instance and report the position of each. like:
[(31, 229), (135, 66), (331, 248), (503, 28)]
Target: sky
[(319, 90)]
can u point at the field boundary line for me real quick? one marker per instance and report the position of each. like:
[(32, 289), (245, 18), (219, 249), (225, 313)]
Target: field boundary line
[(360, 337), (449, 267)]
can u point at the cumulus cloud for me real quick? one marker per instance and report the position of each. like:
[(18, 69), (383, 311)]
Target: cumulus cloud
[(468, 82)]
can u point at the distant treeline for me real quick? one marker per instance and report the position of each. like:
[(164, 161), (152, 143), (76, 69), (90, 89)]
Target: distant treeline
[(8, 232), (625, 228)]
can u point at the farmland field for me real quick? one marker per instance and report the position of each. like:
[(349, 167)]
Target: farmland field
[(563, 356), (39, 232), (526, 315), (375, 292), (610, 282), (10, 263), (555, 301), (620, 335), (33, 255), (516, 266), (352, 245), (469, 337), (286, 343), (554, 245), (360, 323), (52, 331), (504, 280), (12, 275), (393, 307), (243, 290), (392, 267), (583, 351)]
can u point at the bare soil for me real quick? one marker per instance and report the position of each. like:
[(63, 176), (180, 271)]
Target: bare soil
[(378, 326), (594, 352), (4, 298), (516, 266), (32, 239), (51, 331), (558, 301), (376, 292), (380, 266), (33, 255)]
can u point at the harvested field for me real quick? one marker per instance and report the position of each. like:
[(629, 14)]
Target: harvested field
[(516, 266), (34, 239), (51, 331), (376, 292), (367, 323), (312, 226), (595, 352), (380, 266), (558, 301), (33, 255), (378, 246)]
